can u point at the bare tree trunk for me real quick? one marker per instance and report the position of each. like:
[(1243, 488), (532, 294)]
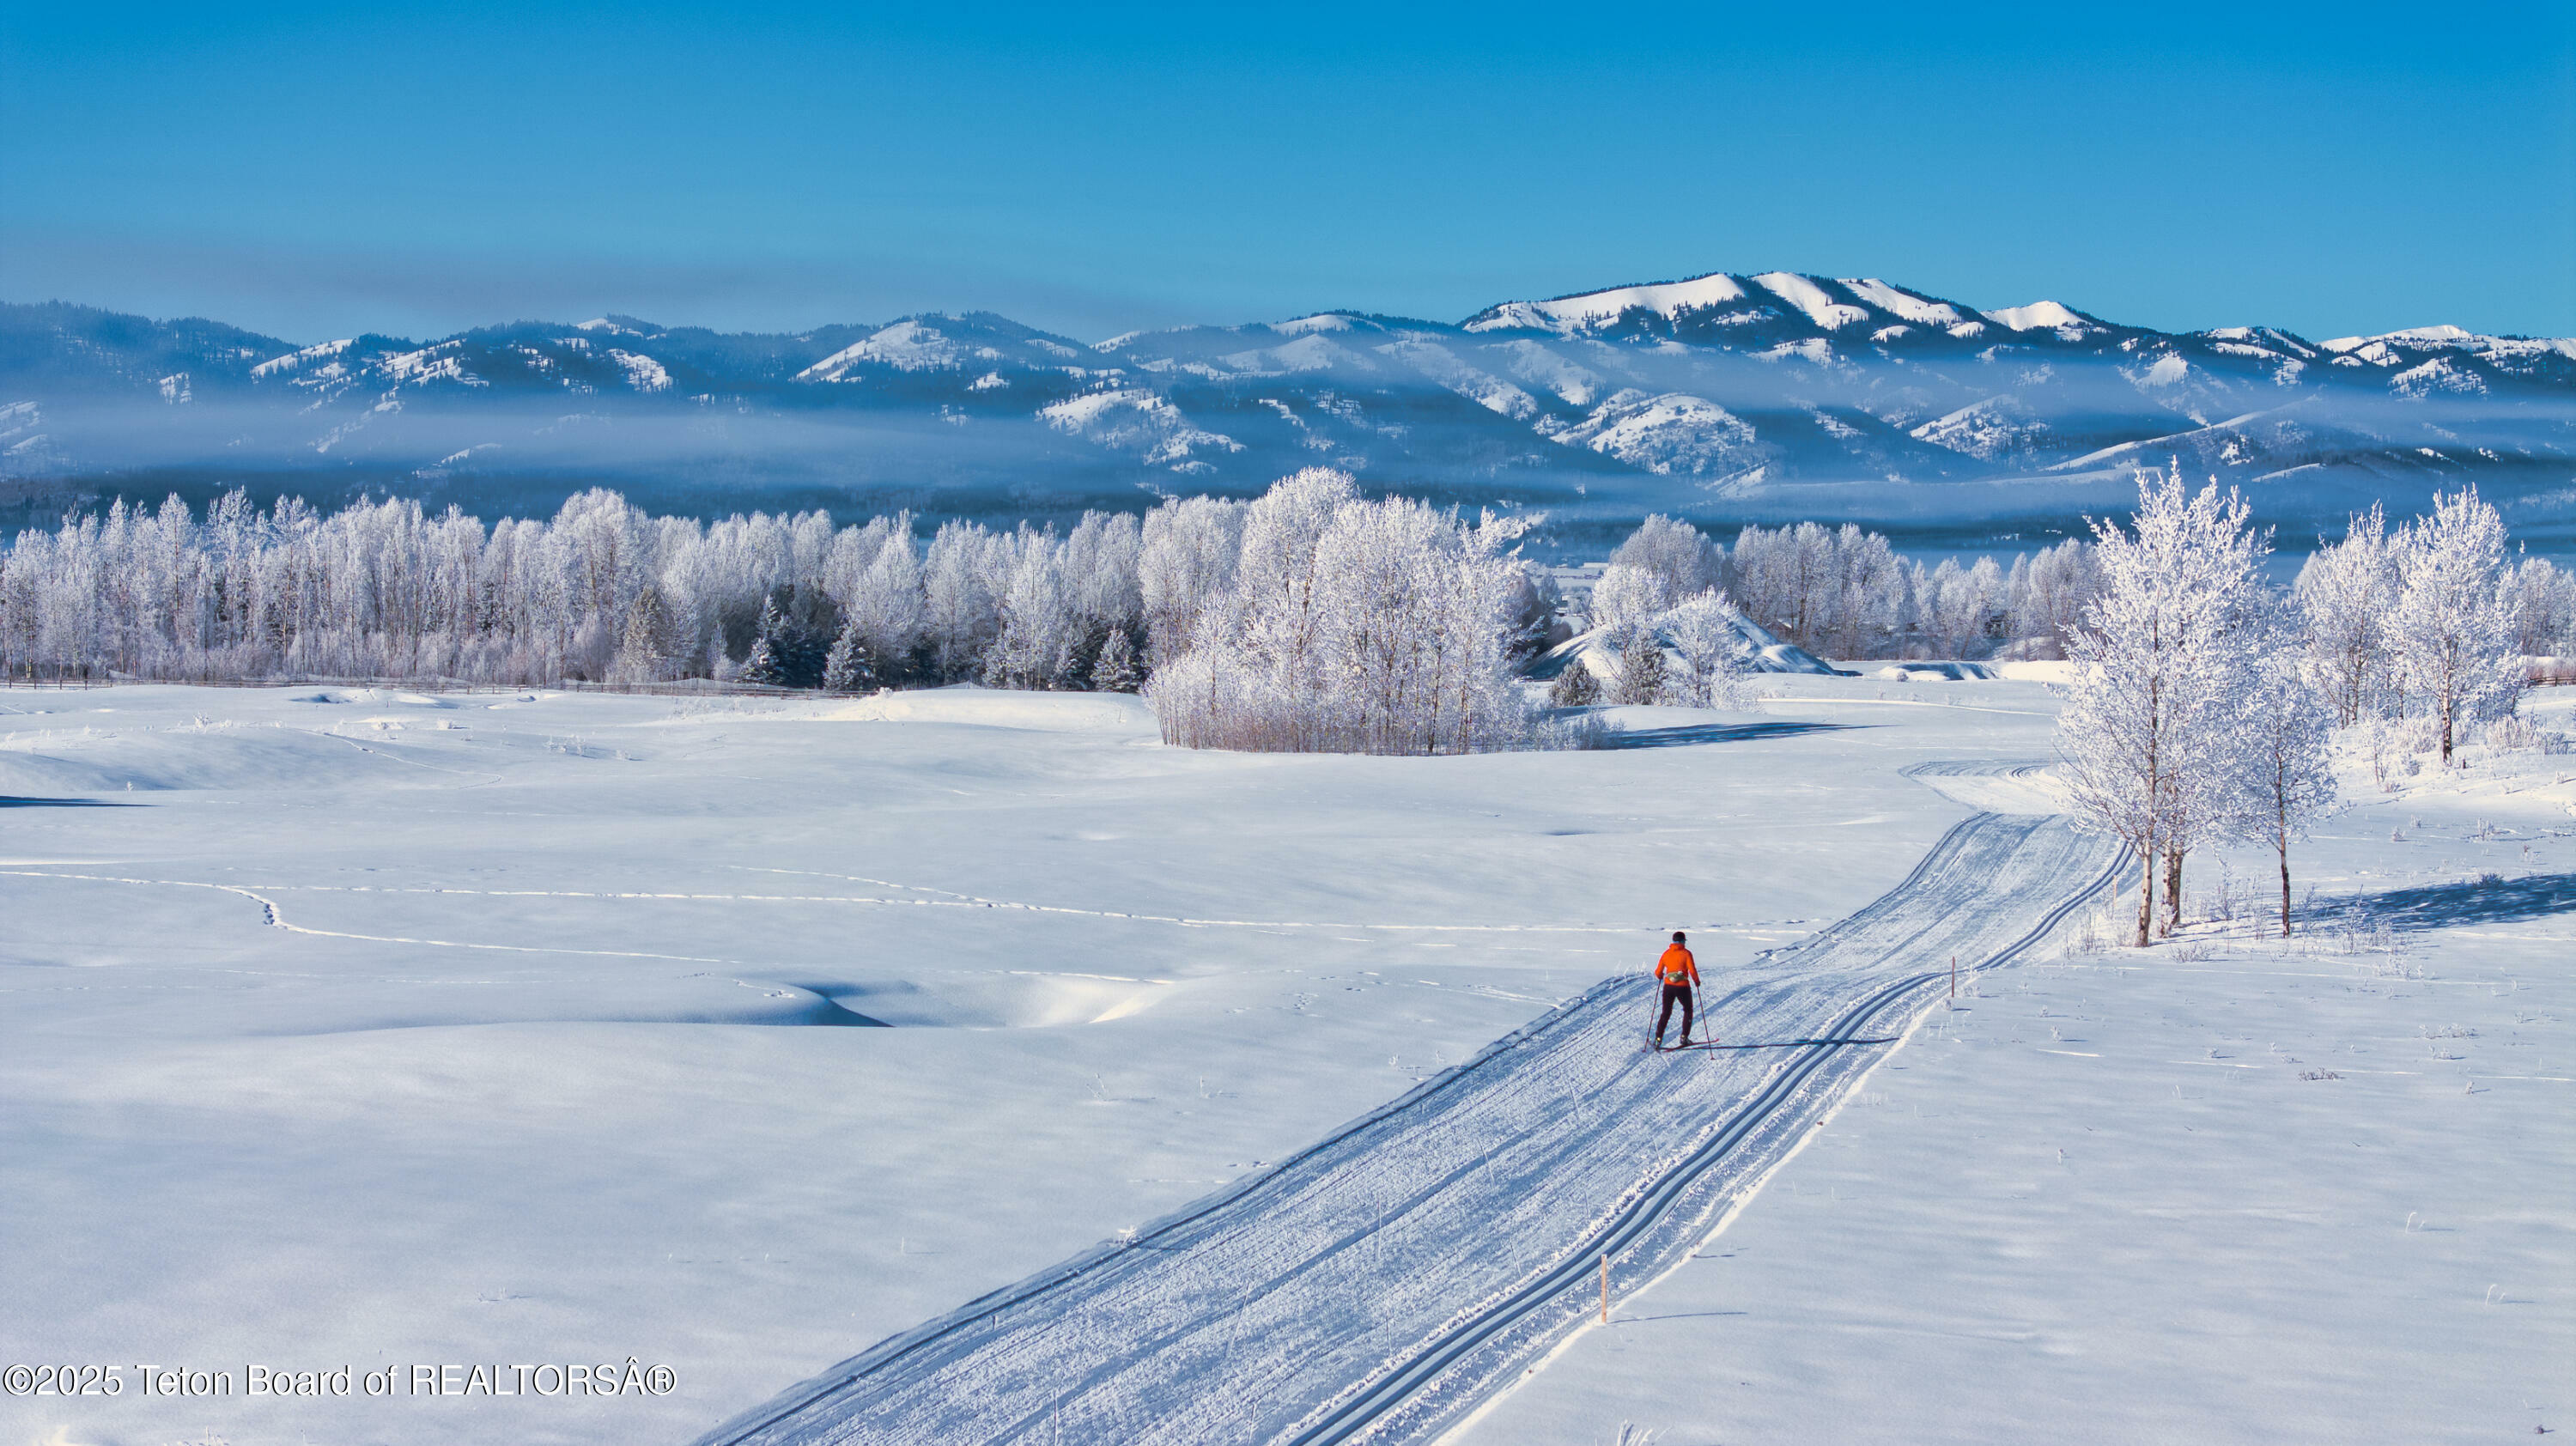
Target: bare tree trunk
[(2173, 889), (2285, 885), (2146, 890)]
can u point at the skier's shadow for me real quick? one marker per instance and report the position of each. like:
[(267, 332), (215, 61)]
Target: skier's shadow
[(1689, 734), (2487, 901)]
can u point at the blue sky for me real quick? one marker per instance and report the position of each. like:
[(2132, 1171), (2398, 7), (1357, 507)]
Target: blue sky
[(317, 170)]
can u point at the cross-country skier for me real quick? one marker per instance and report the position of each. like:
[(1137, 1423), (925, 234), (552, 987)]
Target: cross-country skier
[(1680, 973)]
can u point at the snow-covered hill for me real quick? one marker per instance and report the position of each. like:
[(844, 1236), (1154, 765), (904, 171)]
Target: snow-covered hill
[(1721, 396)]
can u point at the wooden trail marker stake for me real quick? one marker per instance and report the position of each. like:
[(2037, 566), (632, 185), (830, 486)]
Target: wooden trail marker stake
[(1954, 976)]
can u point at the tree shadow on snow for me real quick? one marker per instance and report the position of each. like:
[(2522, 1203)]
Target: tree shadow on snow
[(1690, 734), (2485, 901), (8, 801)]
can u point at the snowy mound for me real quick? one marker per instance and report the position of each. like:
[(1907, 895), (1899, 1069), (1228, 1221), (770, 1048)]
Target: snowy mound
[(990, 708), (1765, 653)]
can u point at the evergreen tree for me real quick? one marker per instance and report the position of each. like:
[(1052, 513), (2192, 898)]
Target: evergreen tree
[(1641, 666), (1576, 687), (1115, 670), (767, 665), (851, 667)]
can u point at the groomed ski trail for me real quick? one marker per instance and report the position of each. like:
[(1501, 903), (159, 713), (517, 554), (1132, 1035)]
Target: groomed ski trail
[(1383, 1283)]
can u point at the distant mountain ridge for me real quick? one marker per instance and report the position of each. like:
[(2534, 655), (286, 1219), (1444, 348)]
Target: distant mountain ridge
[(1722, 395)]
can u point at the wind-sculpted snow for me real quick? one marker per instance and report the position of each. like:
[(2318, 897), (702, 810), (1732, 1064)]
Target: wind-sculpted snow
[(1394, 1276)]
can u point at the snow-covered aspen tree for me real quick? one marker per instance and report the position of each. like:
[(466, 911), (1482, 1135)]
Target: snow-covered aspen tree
[(2545, 601), (885, 602), (1041, 631), (1712, 650), (1186, 562), (2062, 579), (2283, 776), (1872, 608), (1626, 594), (1352, 626), (961, 609), (1276, 582), (2452, 631), (2158, 657), (2345, 594), (648, 649), (1676, 553)]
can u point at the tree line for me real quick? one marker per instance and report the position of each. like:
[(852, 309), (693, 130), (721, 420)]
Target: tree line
[(1308, 618)]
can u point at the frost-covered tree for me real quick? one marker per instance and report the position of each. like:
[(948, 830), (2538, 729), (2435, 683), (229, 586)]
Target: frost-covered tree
[(1873, 604), (1042, 633), (884, 601), (2453, 628), (764, 667), (1674, 553), (1531, 607), (1712, 651), (2283, 775), (2545, 609), (961, 610), (1274, 606), (2160, 658), (1576, 687), (851, 666), (1640, 679), (1626, 595), (1186, 561), (1352, 626), (1960, 609), (1116, 669), (650, 647), (2346, 593), (1842, 592), (2053, 594)]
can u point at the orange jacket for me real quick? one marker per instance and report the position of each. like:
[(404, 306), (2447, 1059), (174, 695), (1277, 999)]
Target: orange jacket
[(1677, 966)]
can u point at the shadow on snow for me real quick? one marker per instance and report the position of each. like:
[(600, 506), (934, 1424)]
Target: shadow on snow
[(8, 801), (1695, 733), (2478, 901)]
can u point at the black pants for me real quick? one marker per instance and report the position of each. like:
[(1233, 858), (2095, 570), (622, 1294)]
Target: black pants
[(1674, 993)]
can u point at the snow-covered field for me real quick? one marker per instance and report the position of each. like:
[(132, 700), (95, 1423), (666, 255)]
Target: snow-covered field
[(382, 1030), (2233, 1188)]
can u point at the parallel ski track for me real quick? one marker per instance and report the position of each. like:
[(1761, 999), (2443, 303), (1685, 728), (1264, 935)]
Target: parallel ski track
[(1385, 1281)]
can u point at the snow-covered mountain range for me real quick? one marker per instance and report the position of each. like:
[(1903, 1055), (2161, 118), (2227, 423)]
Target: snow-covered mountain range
[(1721, 397)]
